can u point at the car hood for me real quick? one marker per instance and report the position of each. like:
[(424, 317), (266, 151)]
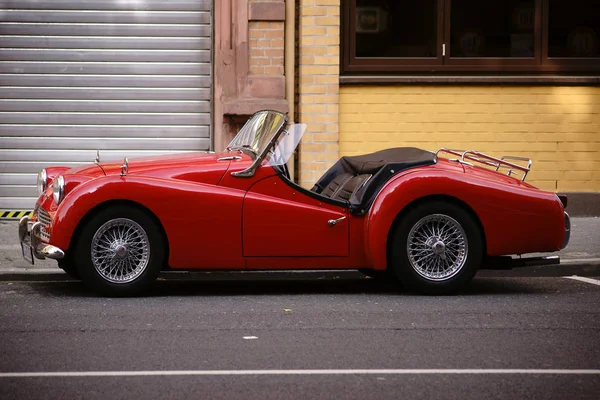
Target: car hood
[(201, 167)]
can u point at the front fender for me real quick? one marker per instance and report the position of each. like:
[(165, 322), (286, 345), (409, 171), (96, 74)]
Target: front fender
[(516, 219), (87, 195), (195, 216), (53, 172)]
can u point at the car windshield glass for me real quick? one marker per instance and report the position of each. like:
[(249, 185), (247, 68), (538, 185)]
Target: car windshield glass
[(288, 141), (258, 132)]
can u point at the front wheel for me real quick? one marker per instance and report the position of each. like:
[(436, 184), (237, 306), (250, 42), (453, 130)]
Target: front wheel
[(67, 265), (120, 252), (437, 248)]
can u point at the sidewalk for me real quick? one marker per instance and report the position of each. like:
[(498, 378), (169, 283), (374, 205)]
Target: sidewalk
[(581, 257)]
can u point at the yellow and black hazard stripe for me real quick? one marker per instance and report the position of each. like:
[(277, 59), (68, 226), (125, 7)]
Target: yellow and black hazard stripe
[(9, 214)]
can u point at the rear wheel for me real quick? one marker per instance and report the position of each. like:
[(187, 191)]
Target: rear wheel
[(120, 252), (437, 248)]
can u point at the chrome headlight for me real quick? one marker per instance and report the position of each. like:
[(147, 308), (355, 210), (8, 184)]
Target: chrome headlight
[(42, 181), (58, 189)]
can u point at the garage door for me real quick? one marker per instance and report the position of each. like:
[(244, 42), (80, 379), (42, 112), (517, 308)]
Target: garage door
[(129, 77)]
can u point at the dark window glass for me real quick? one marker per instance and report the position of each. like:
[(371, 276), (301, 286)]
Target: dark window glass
[(492, 28), (392, 28), (574, 28)]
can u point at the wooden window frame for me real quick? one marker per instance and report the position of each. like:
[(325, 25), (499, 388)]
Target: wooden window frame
[(384, 64), (540, 63)]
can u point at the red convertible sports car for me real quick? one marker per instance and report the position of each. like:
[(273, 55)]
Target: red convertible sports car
[(428, 220)]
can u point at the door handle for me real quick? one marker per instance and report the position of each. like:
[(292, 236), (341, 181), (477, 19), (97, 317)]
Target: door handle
[(332, 222)]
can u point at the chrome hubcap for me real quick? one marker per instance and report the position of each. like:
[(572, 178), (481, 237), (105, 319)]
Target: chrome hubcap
[(120, 250), (437, 247)]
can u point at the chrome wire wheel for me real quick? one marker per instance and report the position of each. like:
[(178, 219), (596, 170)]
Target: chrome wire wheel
[(437, 247), (120, 250)]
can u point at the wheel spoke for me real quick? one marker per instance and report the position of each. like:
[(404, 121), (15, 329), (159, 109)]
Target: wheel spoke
[(437, 247), (120, 250)]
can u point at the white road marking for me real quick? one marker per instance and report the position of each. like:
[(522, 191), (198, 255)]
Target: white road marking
[(583, 279), (305, 372), (250, 337)]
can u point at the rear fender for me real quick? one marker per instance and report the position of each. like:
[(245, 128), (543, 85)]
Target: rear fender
[(515, 219)]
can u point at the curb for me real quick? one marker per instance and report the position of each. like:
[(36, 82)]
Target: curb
[(589, 267), (567, 267)]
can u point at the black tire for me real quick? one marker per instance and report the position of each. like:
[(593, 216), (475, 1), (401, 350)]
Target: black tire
[(414, 269), (146, 266), (67, 265)]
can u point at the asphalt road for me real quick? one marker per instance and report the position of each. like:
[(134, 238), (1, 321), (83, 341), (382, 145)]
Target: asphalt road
[(508, 332)]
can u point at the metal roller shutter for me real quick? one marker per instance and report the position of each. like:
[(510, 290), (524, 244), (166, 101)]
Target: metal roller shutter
[(129, 77)]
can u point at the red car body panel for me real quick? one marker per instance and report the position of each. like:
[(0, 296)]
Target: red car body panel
[(516, 217), (214, 220), (288, 210)]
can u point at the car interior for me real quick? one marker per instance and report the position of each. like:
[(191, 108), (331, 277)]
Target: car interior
[(354, 181)]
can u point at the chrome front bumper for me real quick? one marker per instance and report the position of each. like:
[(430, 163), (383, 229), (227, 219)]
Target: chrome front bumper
[(31, 242)]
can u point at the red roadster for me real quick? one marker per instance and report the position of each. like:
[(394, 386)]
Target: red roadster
[(429, 220)]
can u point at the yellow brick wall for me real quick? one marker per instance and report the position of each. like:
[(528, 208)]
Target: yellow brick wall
[(318, 86), (557, 127)]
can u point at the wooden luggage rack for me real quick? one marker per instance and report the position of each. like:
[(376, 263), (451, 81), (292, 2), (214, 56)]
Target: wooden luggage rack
[(497, 163)]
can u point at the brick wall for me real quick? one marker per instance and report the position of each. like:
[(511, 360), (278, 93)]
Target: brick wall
[(318, 86), (266, 40), (558, 127)]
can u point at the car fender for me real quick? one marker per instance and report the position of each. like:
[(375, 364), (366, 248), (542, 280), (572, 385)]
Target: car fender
[(53, 172), (515, 219), (195, 216)]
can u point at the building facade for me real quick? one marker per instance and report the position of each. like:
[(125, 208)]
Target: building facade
[(145, 77), (503, 77), (130, 78)]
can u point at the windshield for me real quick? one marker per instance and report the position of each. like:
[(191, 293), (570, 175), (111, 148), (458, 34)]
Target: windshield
[(288, 141), (258, 132)]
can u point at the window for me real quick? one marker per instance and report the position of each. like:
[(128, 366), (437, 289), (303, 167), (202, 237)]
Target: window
[(573, 29), (471, 36)]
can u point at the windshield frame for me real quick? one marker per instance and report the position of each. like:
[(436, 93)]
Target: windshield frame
[(269, 143)]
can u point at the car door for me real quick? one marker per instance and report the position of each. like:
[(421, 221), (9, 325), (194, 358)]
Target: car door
[(281, 221)]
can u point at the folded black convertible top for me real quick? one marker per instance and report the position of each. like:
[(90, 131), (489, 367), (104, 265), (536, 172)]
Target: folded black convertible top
[(382, 165)]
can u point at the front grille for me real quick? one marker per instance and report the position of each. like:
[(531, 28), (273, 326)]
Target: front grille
[(44, 218)]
